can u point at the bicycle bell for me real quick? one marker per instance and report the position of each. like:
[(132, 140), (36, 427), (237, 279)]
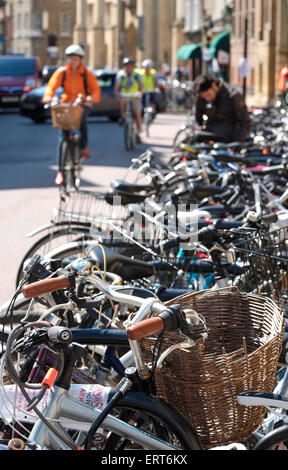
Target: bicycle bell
[(82, 267)]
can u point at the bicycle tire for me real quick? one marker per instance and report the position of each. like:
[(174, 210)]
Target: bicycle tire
[(126, 138), (67, 165), (147, 121), (165, 420), (77, 166), (129, 138), (273, 438), (19, 311)]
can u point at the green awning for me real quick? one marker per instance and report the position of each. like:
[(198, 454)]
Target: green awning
[(190, 51), (221, 42)]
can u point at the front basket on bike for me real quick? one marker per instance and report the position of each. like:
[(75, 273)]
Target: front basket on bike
[(92, 209), (65, 116), (241, 354)]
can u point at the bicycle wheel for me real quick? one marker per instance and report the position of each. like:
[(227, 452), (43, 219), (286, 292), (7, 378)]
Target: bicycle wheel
[(154, 417), (67, 165), (73, 250), (77, 166), (146, 122), (273, 439), (53, 240), (129, 136)]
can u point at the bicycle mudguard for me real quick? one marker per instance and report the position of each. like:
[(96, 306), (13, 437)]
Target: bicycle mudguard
[(40, 229), (111, 337)]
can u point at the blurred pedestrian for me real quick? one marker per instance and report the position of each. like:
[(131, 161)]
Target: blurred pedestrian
[(221, 108)]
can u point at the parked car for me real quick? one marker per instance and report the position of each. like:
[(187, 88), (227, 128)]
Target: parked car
[(18, 74), (31, 103)]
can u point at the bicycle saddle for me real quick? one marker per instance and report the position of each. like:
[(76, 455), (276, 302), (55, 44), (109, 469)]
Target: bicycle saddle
[(232, 145), (221, 211), (121, 265), (200, 191), (223, 156), (126, 197), (121, 185)]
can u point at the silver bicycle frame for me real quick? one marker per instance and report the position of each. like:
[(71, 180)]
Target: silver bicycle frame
[(61, 405)]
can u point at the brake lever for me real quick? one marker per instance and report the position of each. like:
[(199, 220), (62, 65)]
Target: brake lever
[(191, 340)]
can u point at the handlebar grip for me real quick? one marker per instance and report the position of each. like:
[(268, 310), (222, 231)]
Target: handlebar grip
[(45, 286), (145, 328)]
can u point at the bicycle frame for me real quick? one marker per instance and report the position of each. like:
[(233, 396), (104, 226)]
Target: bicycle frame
[(60, 405)]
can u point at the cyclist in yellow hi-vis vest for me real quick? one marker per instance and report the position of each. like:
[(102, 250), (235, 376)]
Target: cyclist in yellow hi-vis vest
[(150, 84), (129, 82)]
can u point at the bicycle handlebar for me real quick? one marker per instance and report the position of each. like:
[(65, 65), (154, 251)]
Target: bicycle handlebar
[(45, 286), (130, 95), (145, 328)]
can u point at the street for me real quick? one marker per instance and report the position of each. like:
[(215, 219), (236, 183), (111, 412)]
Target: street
[(28, 165)]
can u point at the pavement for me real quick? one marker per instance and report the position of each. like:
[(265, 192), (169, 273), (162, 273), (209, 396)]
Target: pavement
[(27, 168)]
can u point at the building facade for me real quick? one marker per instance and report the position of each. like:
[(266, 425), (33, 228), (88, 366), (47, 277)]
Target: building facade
[(114, 29), (264, 25), (245, 41), (41, 28)]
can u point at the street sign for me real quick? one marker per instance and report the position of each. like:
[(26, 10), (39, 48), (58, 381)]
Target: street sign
[(52, 51), (245, 69), (206, 57), (223, 57)]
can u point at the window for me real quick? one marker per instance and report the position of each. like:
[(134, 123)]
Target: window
[(66, 24), (36, 21), (19, 21)]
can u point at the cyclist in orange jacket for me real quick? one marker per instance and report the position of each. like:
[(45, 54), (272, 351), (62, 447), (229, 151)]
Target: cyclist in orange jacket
[(75, 79)]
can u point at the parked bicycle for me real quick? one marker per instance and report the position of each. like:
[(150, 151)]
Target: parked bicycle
[(119, 419)]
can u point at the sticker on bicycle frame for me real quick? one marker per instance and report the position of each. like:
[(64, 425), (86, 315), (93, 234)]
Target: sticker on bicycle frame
[(13, 404)]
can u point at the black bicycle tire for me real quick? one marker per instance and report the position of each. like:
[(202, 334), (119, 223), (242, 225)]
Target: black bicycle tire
[(77, 166), (18, 315), (67, 151), (273, 438), (36, 247), (170, 416), (147, 121), (127, 141)]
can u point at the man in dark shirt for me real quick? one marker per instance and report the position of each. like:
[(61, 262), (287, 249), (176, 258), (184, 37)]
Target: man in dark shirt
[(225, 113)]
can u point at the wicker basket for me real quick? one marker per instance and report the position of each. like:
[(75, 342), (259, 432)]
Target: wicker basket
[(66, 117), (91, 208), (241, 353)]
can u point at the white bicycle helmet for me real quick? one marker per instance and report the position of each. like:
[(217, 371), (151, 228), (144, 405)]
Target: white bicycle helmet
[(75, 49), (147, 63)]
